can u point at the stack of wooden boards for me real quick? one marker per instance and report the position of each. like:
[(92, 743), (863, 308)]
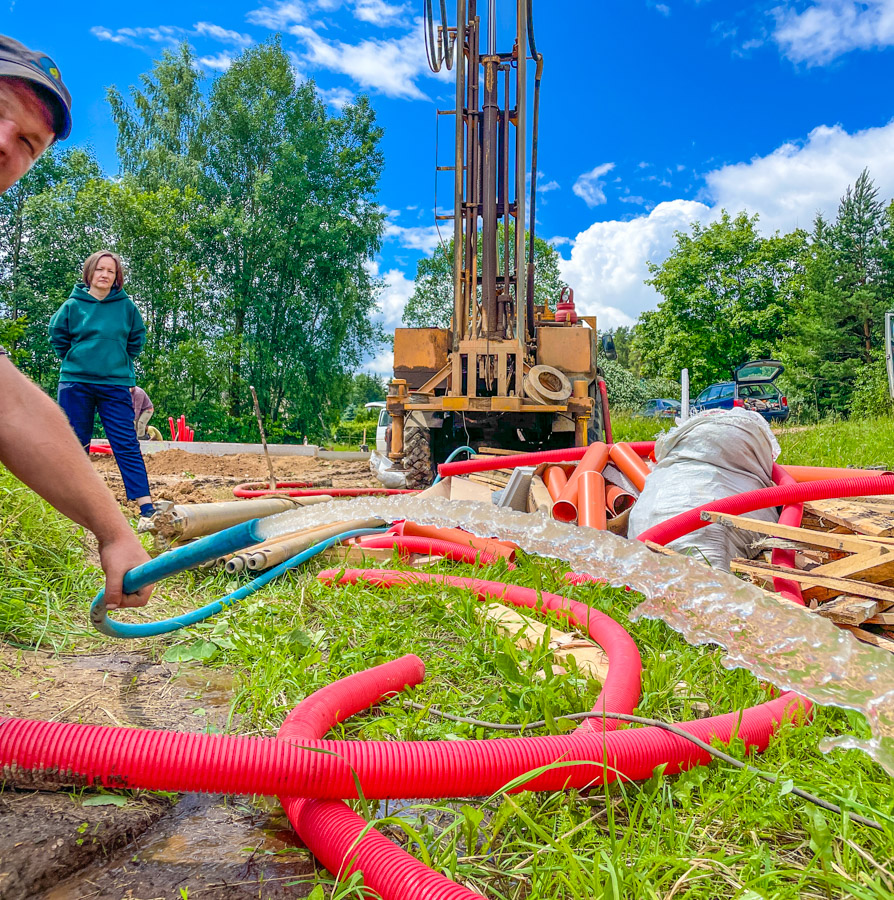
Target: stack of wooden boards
[(844, 561)]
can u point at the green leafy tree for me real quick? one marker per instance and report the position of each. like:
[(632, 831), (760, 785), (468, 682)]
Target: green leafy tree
[(248, 218), (845, 290), (727, 295), (431, 304), (48, 227)]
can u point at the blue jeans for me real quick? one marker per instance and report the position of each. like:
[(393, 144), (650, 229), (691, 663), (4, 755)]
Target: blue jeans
[(81, 402)]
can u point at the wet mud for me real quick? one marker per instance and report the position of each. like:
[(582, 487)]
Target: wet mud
[(59, 845)]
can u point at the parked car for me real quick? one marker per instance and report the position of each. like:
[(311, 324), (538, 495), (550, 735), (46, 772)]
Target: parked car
[(382, 425), (661, 409), (752, 387)]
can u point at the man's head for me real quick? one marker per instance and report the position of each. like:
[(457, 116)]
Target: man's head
[(35, 109)]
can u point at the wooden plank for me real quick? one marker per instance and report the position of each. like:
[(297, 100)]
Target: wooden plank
[(590, 659), (539, 499), (864, 518), (767, 571), (343, 553), (846, 543), (879, 561), (869, 637), (850, 610), (882, 618), (496, 451)]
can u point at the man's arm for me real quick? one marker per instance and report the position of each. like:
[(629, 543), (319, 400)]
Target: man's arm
[(38, 446)]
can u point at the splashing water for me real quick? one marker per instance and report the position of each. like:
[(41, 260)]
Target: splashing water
[(777, 641)]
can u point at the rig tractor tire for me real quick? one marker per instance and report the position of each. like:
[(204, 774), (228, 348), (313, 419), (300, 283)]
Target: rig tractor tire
[(418, 458)]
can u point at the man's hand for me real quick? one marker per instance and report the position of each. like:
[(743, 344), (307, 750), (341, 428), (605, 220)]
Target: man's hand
[(117, 558)]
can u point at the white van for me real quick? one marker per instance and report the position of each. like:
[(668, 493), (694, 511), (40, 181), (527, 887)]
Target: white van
[(381, 425)]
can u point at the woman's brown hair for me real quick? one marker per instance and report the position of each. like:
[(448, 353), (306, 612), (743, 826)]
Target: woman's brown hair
[(93, 261)]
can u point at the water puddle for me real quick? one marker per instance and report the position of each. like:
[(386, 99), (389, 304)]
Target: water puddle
[(208, 846), (779, 642)]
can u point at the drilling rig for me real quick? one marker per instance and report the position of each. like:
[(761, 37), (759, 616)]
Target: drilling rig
[(507, 373)]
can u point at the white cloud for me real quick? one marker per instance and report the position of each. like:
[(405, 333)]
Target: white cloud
[(106, 34), (383, 364), (224, 35), (280, 15), (390, 67), (559, 241), (337, 97), (663, 8), (790, 185), (378, 12), (163, 34), (552, 185), (786, 188), (589, 185), (826, 29), (220, 62), (608, 261), (396, 291), (417, 237)]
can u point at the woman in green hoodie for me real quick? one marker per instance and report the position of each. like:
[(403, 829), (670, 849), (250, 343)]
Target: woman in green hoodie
[(98, 333)]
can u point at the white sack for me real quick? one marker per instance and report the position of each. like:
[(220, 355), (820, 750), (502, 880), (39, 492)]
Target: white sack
[(389, 475), (710, 456)]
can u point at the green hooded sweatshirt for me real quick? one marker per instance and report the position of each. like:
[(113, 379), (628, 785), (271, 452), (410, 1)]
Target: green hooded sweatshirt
[(97, 340)]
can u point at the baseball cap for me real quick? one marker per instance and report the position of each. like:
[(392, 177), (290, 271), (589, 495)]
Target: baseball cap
[(18, 61)]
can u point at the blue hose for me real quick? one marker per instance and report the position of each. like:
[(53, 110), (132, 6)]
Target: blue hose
[(211, 547), (453, 456)]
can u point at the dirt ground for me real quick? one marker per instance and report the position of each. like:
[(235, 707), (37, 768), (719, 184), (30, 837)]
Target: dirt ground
[(58, 846), (199, 478), (54, 846)]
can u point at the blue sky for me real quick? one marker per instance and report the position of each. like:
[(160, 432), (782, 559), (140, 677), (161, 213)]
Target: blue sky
[(654, 114)]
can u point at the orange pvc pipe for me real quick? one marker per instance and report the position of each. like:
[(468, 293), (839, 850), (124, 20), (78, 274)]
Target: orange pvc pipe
[(594, 460), (591, 500), (458, 536), (821, 473), (623, 456), (617, 500), (555, 479)]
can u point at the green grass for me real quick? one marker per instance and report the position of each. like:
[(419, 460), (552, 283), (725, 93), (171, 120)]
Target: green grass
[(42, 569), (626, 427), (857, 443), (714, 832)]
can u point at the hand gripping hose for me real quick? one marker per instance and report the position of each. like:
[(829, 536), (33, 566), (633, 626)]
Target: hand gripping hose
[(207, 548), (339, 838)]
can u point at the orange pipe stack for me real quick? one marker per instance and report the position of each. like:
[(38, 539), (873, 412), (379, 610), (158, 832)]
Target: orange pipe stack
[(617, 500), (630, 464), (565, 508), (555, 479), (591, 500)]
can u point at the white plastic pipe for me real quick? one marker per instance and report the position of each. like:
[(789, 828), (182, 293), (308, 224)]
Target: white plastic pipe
[(684, 402)]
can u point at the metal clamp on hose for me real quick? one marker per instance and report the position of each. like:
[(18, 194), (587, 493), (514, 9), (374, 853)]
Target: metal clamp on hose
[(203, 550)]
